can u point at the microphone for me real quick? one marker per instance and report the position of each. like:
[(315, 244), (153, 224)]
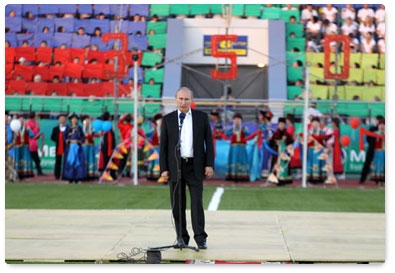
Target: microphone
[(182, 117)]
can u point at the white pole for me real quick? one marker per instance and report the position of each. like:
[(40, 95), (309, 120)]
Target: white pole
[(135, 128), (305, 121)]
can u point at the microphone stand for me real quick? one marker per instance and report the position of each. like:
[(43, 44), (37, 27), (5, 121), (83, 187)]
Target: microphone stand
[(180, 241)]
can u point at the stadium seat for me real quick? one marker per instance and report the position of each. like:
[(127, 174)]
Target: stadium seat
[(81, 23), (104, 25), (46, 22), (67, 8), (299, 43), (271, 13), (158, 27), (29, 53), (133, 27), (370, 93), (314, 58), (180, 9), (286, 14), (382, 61), (319, 91), (139, 42), (9, 55), (14, 24), (60, 38), (11, 38), (140, 75), (316, 74), (358, 109), (293, 90), (45, 9), (294, 74), (120, 10), (44, 54), (295, 56), (156, 74), (43, 37), (93, 71), (200, 9), (30, 25), (150, 109), (102, 8), (99, 42), (370, 60), (73, 70), (216, 8), (160, 10), (238, 10), (85, 8), (380, 77), (80, 41), (296, 109), (356, 74), (157, 41), (377, 109), (298, 29), (67, 23), (61, 55), (59, 88), (355, 58), (16, 86), (9, 68), (253, 10), (369, 75), (56, 71), (36, 88), (151, 90), (141, 9), (119, 26), (151, 58), (99, 56), (78, 90), (17, 8), (351, 91), (77, 52), (338, 90), (25, 37)]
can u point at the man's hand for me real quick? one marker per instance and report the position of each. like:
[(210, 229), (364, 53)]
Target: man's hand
[(208, 172)]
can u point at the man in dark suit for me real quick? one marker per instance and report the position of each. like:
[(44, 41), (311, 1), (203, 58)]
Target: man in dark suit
[(57, 137), (195, 159)]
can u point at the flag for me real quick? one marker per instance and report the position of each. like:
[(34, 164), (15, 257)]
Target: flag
[(148, 147), (123, 149)]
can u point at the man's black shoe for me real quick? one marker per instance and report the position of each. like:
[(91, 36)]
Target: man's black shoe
[(202, 245)]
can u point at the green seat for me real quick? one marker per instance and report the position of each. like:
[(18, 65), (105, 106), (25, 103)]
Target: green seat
[(238, 10), (286, 14), (293, 90), (180, 9), (369, 93), (316, 74), (156, 74), (294, 73), (295, 109), (253, 10), (356, 74), (157, 41), (151, 109), (369, 60), (160, 9), (382, 61), (355, 58), (369, 75), (319, 91), (197, 9), (295, 56), (325, 108), (315, 58), (380, 77), (216, 8), (358, 109), (13, 103), (377, 109), (272, 13), (351, 91), (341, 108), (297, 28), (299, 43), (158, 27), (339, 92), (151, 58), (151, 90)]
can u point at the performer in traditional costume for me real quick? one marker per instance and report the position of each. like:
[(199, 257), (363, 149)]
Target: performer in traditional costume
[(10, 173), (23, 160), (57, 137), (125, 126), (337, 160), (281, 142), (238, 166), (377, 172), (107, 146), (153, 169), (266, 128), (89, 148), (74, 169)]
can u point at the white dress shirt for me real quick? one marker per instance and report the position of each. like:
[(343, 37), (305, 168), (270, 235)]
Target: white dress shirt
[(186, 149)]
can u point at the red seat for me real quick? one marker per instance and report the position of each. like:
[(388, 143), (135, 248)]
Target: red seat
[(73, 70), (9, 69), (76, 88), (61, 55), (59, 88), (25, 71), (10, 55), (93, 71), (43, 71), (17, 87), (29, 53), (44, 54), (56, 71), (37, 88)]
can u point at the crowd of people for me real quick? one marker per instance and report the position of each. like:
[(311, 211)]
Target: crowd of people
[(275, 156)]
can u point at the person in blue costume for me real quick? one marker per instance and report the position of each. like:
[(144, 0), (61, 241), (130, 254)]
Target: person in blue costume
[(267, 130), (238, 165), (74, 169)]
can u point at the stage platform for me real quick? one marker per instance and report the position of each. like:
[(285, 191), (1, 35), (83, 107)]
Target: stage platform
[(234, 236)]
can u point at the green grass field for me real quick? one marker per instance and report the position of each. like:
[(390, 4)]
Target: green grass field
[(93, 196)]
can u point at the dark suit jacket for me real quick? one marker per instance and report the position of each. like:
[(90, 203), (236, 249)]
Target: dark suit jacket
[(55, 136), (203, 148)]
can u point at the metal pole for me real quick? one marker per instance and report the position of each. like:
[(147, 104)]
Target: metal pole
[(135, 127), (305, 121)]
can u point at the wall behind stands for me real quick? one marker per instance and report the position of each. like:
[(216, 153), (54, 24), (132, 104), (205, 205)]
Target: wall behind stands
[(266, 44)]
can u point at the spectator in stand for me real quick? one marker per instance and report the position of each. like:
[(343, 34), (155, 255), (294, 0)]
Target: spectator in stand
[(348, 12), (289, 7), (379, 15), (380, 30), (34, 127), (313, 28), (74, 169), (354, 44), (366, 26), (381, 45), (368, 45), (349, 26), (330, 13), (364, 12), (307, 14), (97, 32)]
